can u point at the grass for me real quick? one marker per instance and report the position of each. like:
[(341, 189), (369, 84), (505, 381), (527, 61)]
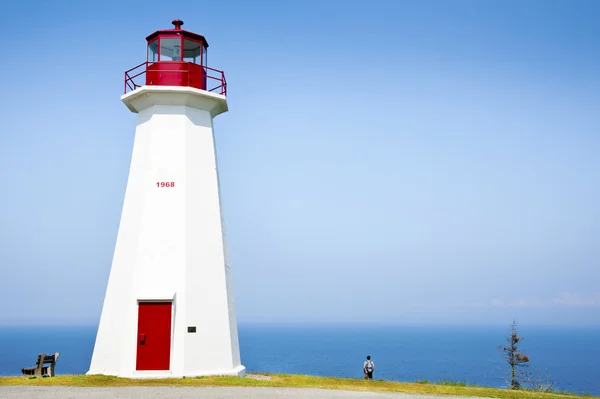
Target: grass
[(294, 381)]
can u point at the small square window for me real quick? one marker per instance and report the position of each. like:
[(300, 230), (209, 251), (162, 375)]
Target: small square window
[(192, 329)]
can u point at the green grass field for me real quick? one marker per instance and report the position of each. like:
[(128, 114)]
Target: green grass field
[(293, 381)]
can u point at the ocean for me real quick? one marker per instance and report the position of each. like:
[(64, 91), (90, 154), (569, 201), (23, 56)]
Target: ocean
[(570, 355)]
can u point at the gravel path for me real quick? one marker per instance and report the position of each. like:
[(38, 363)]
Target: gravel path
[(18, 392)]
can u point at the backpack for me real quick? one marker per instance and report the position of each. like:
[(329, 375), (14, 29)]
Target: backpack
[(369, 366)]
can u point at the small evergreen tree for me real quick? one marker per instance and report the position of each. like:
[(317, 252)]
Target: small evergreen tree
[(514, 357)]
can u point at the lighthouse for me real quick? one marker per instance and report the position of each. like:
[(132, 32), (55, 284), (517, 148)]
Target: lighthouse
[(169, 308)]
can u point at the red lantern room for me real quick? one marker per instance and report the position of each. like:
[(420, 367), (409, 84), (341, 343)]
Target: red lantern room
[(176, 57)]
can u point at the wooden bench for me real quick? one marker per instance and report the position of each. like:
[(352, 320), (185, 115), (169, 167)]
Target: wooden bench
[(40, 370)]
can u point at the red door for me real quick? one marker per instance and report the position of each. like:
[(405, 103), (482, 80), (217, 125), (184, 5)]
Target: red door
[(154, 336)]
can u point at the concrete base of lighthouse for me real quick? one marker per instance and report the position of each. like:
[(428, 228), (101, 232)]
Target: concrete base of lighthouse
[(239, 371), (169, 308)]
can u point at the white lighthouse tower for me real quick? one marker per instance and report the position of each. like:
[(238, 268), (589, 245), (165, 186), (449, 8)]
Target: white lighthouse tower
[(169, 309)]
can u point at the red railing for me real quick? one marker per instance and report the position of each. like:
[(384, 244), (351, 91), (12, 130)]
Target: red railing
[(211, 80)]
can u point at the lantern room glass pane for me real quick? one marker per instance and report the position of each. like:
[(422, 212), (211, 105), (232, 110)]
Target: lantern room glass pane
[(191, 51), (170, 49), (203, 56), (153, 51)]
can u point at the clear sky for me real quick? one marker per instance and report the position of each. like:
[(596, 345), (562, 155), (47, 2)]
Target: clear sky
[(382, 161)]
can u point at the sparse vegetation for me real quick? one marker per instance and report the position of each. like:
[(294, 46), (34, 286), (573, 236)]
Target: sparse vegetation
[(294, 381), (514, 357), (537, 382), (518, 361)]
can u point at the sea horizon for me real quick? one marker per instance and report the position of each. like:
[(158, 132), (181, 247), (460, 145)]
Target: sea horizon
[(507, 325)]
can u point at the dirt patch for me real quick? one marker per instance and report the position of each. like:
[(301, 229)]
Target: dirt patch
[(258, 376)]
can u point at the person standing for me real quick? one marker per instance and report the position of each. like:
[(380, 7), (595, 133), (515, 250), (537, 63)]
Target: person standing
[(368, 368)]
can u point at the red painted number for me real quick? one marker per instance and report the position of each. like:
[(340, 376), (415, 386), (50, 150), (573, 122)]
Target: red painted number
[(165, 184)]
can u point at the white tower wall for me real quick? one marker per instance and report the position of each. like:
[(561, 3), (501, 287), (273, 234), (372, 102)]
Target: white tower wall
[(171, 243)]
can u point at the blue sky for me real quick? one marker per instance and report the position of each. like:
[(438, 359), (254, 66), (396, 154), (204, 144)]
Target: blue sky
[(382, 162)]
